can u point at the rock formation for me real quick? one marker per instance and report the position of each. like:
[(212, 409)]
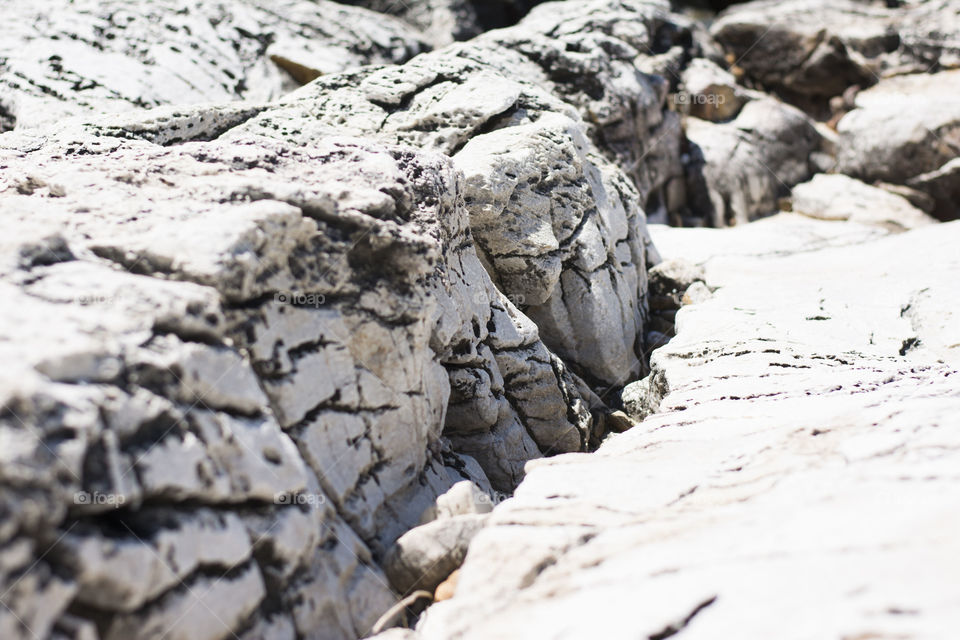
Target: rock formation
[(60, 59), (296, 293), (804, 451)]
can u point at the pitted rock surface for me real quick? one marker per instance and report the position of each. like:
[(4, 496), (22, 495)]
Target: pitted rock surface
[(61, 59), (269, 334)]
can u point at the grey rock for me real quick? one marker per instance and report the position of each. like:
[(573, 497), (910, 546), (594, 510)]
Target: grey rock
[(441, 21), (942, 187), (172, 409), (810, 51), (288, 324), (577, 274), (207, 607), (122, 573), (738, 170), (904, 130), (463, 498), (423, 557), (444, 21), (696, 293), (675, 276), (640, 398), (95, 57)]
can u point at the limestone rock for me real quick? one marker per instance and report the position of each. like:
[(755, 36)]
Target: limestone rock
[(208, 607), (463, 498), (942, 187), (232, 308), (440, 21), (797, 446), (425, 556), (444, 21), (122, 573), (905, 130), (738, 170), (127, 388), (88, 56), (809, 51), (838, 197), (574, 263)]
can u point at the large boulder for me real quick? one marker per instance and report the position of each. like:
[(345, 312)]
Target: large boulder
[(906, 130), (259, 326), (90, 56), (557, 224), (738, 170), (810, 51), (615, 62)]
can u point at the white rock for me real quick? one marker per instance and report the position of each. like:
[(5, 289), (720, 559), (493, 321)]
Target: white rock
[(838, 197), (797, 447)]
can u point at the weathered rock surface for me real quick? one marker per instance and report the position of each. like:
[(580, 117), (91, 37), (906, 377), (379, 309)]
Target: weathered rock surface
[(809, 51), (738, 170), (839, 197), (59, 59), (266, 329), (557, 224), (247, 353), (270, 358), (906, 130), (805, 452), (441, 21), (444, 21)]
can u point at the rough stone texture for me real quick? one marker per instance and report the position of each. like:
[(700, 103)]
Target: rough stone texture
[(738, 170), (441, 21), (247, 352), (809, 50), (839, 197), (804, 459), (557, 225), (463, 498), (263, 328), (669, 283), (600, 56), (249, 346), (94, 56), (942, 185), (906, 130)]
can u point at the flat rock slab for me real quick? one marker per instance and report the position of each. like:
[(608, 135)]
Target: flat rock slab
[(799, 481)]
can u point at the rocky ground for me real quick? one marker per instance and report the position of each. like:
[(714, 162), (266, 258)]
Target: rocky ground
[(612, 318)]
